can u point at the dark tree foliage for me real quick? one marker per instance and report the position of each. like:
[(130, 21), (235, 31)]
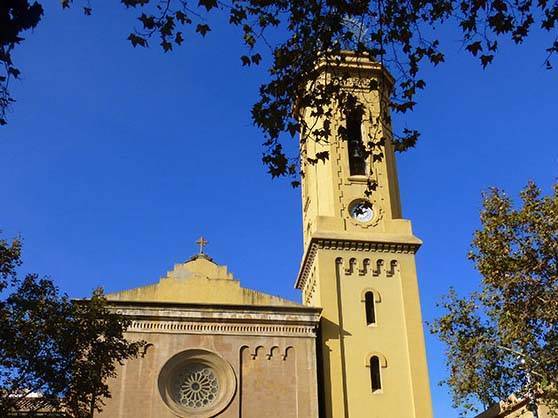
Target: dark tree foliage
[(16, 16), (503, 339), (293, 35), (49, 345)]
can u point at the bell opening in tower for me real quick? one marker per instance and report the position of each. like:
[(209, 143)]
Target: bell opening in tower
[(357, 153)]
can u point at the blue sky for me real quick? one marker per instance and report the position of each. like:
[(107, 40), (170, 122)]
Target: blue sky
[(115, 160)]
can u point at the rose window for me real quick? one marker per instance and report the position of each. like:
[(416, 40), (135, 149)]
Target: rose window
[(196, 387), (197, 383)]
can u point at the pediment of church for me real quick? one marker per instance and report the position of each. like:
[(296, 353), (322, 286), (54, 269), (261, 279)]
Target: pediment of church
[(199, 280)]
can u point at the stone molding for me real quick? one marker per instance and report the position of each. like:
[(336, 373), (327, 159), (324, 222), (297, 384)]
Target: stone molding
[(189, 327), (210, 321), (349, 246)]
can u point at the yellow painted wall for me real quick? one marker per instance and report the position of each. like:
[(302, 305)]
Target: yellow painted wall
[(340, 264)]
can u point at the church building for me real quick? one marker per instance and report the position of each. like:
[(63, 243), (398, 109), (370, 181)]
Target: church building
[(354, 346)]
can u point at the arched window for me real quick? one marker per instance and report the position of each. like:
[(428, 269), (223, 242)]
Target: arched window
[(357, 154), (370, 308), (375, 376)]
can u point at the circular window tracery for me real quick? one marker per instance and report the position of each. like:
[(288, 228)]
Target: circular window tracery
[(197, 386), (197, 383)]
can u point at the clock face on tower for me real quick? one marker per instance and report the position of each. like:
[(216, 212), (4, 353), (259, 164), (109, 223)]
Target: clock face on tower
[(361, 211)]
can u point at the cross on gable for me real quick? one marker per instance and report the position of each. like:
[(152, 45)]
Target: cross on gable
[(202, 242)]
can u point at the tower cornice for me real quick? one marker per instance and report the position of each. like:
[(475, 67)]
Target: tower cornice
[(375, 243), (355, 63)]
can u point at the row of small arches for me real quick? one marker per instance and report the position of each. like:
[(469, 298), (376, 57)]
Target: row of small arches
[(259, 351), (274, 352), (366, 267)]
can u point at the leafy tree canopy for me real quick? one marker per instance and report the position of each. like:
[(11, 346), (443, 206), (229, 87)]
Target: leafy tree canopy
[(503, 339), (49, 345), (16, 17), (293, 34)]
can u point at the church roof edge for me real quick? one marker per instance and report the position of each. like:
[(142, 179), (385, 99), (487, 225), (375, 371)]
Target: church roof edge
[(217, 306)]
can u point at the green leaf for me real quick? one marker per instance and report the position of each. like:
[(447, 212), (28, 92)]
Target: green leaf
[(474, 48), (137, 40), (178, 39), (208, 4), (256, 58), (202, 29), (486, 59)]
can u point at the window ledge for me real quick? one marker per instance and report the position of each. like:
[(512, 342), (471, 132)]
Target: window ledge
[(358, 179)]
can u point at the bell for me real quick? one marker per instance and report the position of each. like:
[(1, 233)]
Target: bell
[(357, 153)]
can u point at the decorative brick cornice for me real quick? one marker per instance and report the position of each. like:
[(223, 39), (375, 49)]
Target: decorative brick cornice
[(348, 245)]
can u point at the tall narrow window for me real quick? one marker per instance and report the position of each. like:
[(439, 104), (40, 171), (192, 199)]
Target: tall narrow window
[(375, 377), (357, 154), (370, 308)]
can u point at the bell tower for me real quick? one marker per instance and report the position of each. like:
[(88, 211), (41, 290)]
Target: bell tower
[(359, 259)]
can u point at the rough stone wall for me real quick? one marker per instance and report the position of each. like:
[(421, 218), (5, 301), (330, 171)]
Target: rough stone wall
[(269, 378), (275, 376)]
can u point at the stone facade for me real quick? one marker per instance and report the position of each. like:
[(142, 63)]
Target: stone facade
[(258, 351)]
